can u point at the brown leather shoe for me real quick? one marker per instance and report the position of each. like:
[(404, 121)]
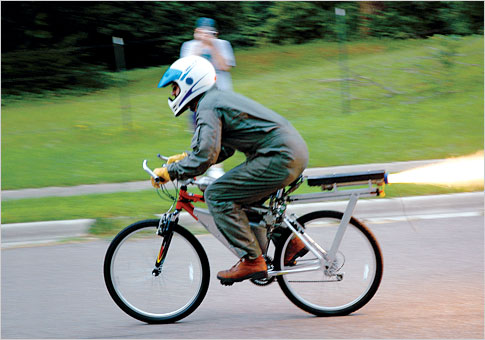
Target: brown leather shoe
[(243, 270), (296, 248)]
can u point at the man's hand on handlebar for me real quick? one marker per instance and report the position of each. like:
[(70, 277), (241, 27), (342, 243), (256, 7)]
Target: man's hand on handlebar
[(176, 158), (162, 173), (164, 177)]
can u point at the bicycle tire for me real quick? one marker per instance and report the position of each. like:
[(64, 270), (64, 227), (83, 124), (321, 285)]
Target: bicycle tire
[(130, 250), (319, 300)]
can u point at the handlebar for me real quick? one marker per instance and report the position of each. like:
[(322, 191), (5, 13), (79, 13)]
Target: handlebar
[(201, 183), (150, 172), (163, 158)]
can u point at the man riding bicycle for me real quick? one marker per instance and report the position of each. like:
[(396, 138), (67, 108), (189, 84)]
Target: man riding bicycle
[(276, 155)]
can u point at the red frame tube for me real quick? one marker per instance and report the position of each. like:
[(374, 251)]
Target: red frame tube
[(185, 202)]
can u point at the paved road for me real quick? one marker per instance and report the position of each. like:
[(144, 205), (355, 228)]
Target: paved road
[(433, 287)]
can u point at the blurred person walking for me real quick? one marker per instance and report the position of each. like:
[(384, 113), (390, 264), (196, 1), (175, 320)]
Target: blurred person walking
[(219, 52), (207, 45)]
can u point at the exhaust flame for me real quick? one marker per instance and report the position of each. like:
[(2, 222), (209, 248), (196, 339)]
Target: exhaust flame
[(460, 171)]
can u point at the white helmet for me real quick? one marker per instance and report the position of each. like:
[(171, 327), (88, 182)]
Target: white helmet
[(194, 75)]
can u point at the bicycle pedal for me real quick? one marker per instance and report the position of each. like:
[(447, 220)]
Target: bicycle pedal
[(227, 283)]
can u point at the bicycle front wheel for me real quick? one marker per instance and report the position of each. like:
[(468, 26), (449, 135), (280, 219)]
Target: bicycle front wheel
[(353, 278), (172, 295)]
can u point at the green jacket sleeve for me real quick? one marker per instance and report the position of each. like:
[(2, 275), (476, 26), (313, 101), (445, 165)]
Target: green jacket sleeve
[(206, 147), (225, 153)]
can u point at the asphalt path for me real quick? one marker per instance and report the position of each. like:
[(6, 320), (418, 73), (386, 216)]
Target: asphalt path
[(104, 188), (433, 287)]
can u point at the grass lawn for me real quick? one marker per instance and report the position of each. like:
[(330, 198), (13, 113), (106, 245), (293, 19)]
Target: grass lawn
[(410, 100), (407, 106)]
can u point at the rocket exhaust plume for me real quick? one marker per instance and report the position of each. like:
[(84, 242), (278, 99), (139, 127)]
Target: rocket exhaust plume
[(460, 171)]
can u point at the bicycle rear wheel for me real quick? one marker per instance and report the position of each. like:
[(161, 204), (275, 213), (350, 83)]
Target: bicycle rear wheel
[(358, 267), (168, 297)]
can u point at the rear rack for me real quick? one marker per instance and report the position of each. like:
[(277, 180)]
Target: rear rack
[(354, 178), (334, 186)]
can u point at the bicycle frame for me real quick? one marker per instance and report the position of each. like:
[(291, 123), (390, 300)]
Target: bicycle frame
[(334, 189)]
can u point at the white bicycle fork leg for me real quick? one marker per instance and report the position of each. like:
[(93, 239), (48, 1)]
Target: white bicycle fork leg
[(308, 241), (342, 227), (320, 253)]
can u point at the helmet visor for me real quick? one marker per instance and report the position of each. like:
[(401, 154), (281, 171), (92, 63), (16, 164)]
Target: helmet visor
[(169, 76)]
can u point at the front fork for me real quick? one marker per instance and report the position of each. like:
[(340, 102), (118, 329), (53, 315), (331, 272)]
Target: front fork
[(165, 230)]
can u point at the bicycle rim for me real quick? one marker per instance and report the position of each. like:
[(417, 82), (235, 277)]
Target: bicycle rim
[(358, 268), (170, 296)]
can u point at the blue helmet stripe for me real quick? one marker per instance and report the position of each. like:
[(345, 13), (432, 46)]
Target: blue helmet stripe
[(191, 90), (169, 77), (187, 72)]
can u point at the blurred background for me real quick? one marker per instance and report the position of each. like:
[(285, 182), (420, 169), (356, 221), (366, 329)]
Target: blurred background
[(364, 82), (62, 45)]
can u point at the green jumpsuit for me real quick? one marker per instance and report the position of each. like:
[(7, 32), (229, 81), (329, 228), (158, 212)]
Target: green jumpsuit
[(275, 152)]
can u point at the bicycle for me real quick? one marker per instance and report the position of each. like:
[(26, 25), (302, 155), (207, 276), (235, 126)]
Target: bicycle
[(158, 272)]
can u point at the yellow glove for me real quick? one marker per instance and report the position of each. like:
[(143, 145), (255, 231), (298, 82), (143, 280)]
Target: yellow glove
[(164, 177), (176, 158)]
